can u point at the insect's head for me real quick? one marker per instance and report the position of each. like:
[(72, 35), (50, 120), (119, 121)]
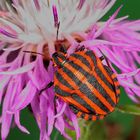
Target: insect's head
[(59, 58)]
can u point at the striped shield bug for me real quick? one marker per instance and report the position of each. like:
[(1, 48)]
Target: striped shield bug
[(90, 88)]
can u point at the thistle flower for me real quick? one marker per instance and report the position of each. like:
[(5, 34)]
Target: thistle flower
[(37, 26)]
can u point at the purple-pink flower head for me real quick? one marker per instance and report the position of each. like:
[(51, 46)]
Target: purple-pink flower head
[(40, 26)]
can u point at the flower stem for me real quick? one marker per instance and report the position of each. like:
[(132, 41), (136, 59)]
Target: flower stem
[(90, 130)]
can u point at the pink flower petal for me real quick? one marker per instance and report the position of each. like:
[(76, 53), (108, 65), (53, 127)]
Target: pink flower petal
[(24, 98), (19, 70), (6, 118), (17, 121), (43, 117)]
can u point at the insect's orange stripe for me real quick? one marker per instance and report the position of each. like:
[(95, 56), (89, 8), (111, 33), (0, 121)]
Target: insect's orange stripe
[(91, 103), (86, 57), (106, 88), (72, 101), (99, 96), (83, 96), (75, 72), (61, 85), (100, 66), (68, 79), (80, 63), (94, 118), (117, 100), (86, 117), (118, 91), (60, 60), (116, 83), (114, 76), (79, 114), (101, 117), (105, 73)]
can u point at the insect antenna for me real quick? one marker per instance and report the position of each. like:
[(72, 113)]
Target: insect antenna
[(34, 53), (48, 86)]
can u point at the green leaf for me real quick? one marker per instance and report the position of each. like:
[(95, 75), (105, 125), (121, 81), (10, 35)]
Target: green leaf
[(130, 109)]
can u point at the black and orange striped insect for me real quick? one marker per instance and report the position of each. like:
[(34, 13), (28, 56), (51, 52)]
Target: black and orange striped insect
[(90, 88)]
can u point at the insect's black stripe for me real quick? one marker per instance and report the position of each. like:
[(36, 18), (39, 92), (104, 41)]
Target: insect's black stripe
[(81, 58), (74, 109), (92, 80), (84, 89), (62, 80), (56, 60), (90, 117), (101, 75), (61, 92), (111, 73), (61, 56), (77, 98), (82, 102), (63, 49), (101, 90), (115, 79), (92, 56), (83, 115), (84, 61), (97, 117), (71, 75)]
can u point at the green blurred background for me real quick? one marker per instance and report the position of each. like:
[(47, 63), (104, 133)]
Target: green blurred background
[(117, 126)]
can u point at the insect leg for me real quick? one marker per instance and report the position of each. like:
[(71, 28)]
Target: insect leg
[(55, 104), (48, 86), (34, 53)]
